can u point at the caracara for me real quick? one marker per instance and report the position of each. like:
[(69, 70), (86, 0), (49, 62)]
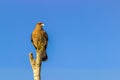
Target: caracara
[(39, 39)]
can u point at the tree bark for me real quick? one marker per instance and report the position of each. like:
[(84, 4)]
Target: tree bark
[(36, 64)]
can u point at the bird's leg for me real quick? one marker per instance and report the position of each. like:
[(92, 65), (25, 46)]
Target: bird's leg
[(42, 48)]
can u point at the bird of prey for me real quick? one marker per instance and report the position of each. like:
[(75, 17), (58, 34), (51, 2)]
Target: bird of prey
[(39, 39)]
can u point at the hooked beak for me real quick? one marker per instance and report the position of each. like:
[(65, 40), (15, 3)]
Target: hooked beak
[(43, 25)]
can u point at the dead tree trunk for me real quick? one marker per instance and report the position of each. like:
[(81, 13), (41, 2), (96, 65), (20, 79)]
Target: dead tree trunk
[(36, 64)]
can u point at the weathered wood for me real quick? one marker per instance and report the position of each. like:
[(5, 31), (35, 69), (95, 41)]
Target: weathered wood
[(36, 63)]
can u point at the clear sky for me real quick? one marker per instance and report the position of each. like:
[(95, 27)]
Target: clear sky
[(84, 39)]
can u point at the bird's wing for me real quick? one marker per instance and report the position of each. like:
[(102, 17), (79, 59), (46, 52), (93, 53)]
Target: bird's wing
[(33, 42), (46, 37)]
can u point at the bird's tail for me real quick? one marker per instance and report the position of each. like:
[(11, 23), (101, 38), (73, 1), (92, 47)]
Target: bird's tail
[(44, 56)]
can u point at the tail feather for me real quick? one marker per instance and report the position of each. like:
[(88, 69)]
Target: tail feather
[(44, 57)]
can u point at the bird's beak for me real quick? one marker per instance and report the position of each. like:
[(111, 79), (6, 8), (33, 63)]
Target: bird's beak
[(43, 25)]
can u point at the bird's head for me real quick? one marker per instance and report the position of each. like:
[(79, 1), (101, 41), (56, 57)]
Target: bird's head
[(39, 25)]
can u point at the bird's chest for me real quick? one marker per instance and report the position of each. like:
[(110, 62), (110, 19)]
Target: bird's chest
[(37, 35)]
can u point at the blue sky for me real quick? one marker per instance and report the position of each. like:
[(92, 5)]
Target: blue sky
[(84, 41)]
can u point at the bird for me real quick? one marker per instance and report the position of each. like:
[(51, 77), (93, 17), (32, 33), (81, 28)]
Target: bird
[(39, 39)]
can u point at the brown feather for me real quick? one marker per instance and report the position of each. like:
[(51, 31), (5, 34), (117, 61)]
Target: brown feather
[(40, 38)]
